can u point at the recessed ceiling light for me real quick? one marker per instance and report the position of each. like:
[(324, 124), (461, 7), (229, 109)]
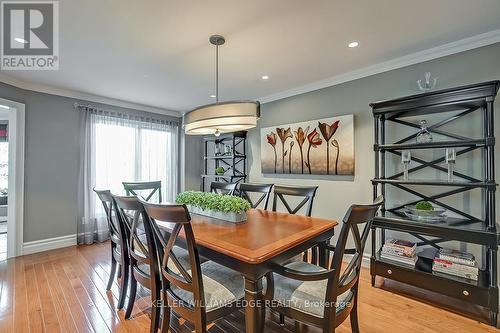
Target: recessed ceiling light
[(4, 106), (353, 44), (265, 77), (20, 40), (213, 96)]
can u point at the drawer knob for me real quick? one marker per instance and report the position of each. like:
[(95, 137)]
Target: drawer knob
[(465, 292), (389, 271)]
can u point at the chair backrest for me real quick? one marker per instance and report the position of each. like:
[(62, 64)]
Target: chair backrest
[(107, 203), (346, 277), (223, 188), (265, 189), (172, 270), (144, 190), (130, 212), (308, 193)]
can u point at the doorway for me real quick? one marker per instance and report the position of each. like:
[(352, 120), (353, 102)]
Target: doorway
[(4, 181), (11, 178)]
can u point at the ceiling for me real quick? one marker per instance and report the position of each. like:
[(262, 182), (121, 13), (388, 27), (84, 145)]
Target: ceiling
[(156, 52)]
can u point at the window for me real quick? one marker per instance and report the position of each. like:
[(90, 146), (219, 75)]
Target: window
[(116, 148), (134, 150)]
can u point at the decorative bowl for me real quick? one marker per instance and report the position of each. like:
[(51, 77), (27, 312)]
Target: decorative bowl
[(437, 214)]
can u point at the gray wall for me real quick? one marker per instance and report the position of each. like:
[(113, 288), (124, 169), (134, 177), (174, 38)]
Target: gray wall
[(193, 166), (52, 144), (51, 162), (334, 196)]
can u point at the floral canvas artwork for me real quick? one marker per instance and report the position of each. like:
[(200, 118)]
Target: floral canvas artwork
[(317, 147)]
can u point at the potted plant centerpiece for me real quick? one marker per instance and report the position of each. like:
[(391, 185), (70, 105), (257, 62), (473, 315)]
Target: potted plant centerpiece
[(224, 207)]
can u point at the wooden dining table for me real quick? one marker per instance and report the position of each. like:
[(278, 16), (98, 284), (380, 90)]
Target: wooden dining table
[(253, 247)]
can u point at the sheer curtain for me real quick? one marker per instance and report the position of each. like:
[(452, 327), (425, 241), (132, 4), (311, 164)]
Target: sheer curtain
[(120, 147)]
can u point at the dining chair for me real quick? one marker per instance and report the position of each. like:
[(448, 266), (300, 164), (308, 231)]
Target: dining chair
[(145, 190), (199, 293), (119, 249), (311, 294), (245, 190), (282, 193), (223, 188), (307, 193), (129, 211)]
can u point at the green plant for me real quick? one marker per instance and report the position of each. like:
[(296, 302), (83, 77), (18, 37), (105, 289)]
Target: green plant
[(424, 205), (213, 201), (220, 170)]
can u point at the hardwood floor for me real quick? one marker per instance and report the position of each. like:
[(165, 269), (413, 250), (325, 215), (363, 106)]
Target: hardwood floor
[(64, 291)]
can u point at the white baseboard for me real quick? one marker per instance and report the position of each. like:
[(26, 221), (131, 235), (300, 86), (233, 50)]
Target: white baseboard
[(366, 259), (48, 244)]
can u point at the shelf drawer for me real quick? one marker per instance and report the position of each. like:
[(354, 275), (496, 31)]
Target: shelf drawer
[(476, 294)]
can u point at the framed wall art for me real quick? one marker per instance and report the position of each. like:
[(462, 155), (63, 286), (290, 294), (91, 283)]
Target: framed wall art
[(316, 147)]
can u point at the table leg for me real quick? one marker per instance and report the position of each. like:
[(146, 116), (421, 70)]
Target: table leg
[(255, 309), (324, 254)]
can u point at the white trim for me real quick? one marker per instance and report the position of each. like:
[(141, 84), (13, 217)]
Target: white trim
[(462, 45), (49, 244), (84, 96), (15, 199), (366, 260)]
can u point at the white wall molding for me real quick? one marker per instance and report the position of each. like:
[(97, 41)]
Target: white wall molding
[(83, 96), (15, 210), (462, 45), (48, 244)]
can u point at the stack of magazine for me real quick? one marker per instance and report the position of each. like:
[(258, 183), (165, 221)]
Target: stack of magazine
[(456, 263), (400, 251)]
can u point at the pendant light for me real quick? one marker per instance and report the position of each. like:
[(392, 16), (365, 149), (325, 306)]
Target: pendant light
[(221, 117)]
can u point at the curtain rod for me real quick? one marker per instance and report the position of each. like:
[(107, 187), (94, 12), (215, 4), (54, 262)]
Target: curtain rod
[(152, 116)]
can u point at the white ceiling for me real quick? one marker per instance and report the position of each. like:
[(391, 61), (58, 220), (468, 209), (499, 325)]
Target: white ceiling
[(157, 53)]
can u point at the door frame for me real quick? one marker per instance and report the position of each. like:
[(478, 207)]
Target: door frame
[(15, 211)]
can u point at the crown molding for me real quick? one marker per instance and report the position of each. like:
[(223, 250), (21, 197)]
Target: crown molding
[(462, 45), (84, 96)]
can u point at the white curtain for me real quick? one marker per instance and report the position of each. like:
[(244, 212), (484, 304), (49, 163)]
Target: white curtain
[(119, 147)]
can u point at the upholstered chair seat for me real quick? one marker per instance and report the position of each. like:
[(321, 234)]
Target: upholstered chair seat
[(221, 286), (306, 296)]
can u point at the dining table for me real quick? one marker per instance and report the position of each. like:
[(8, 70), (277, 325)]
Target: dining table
[(255, 246)]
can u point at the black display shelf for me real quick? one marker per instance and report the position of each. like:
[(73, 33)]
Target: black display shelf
[(469, 97), (477, 292), (223, 176), (234, 163), (433, 145), (435, 183), (224, 157), (482, 281), (452, 228), (483, 230)]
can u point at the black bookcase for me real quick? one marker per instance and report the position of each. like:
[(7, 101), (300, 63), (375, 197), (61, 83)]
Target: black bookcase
[(234, 162), (447, 106)]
